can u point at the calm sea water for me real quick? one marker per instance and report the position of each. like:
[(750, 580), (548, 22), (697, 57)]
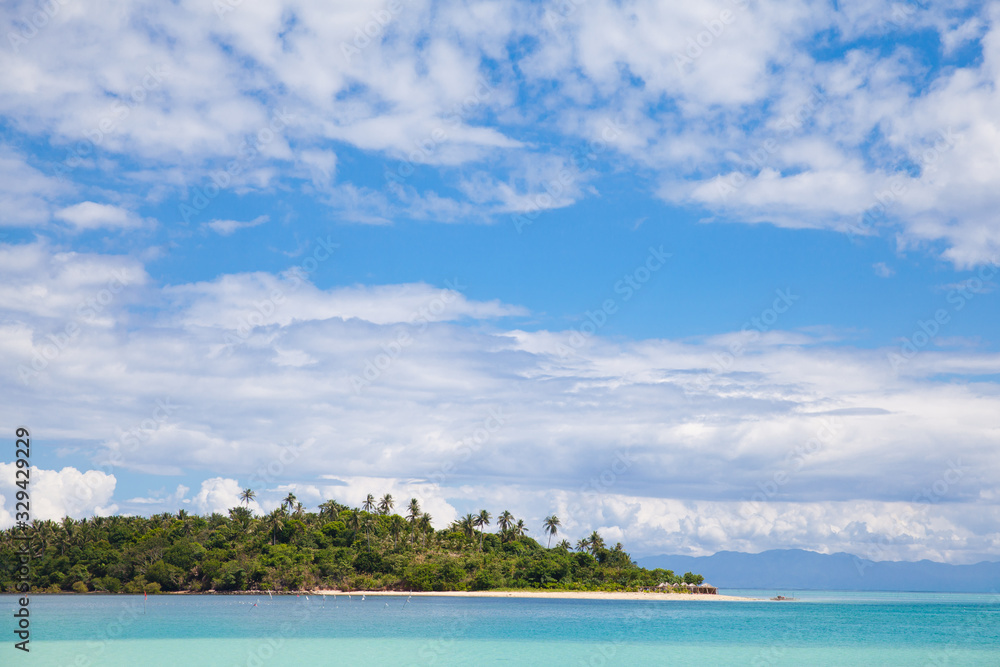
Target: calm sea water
[(820, 629)]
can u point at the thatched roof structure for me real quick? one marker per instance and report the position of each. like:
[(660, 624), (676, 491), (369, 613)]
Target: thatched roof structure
[(698, 589)]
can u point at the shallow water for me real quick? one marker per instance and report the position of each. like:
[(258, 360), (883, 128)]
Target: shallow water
[(820, 629)]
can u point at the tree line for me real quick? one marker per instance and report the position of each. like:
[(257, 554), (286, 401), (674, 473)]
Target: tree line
[(288, 549)]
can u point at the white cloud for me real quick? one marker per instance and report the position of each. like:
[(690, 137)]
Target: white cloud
[(463, 415), (970, 30), (809, 166), (90, 215), (352, 491), (39, 281), (218, 494), (428, 91), (58, 493), (322, 166), (171, 501), (883, 271), (851, 134), (190, 97), (25, 193), (227, 227), (874, 530), (245, 301)]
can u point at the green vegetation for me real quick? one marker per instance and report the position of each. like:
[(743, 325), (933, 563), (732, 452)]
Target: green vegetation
[(368, 548)]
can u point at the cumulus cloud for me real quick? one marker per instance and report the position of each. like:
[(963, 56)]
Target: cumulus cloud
[(25, 192), (37, 280), (635, 435), (58, 493), (189, 102), (808, 164), (91, 215), (257, 299), (719, 106), (218, 494), (862, 141), (655, 525)]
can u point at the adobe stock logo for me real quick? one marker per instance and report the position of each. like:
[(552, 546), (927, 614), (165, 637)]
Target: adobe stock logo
[(430, 312), (714, 29), (630, 283), (88, 311), (31, 25), (925, 331), (372, 30)]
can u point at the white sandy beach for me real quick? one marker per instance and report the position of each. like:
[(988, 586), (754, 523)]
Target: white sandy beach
[(574, 595)]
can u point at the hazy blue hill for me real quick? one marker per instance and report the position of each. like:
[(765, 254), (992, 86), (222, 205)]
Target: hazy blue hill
[(797, 569)]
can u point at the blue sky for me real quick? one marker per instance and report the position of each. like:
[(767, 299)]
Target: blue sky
[(727, 271)]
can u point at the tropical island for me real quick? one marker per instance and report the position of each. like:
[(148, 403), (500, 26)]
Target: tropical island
[(371, 548)]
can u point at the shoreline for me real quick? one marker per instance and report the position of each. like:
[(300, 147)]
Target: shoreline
[(563, 595), (522, 593)]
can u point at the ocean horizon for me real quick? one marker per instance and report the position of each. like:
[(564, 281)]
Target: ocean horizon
[(819, 628)]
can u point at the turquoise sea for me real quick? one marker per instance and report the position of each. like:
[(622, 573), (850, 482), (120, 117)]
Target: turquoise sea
[(818, 629)]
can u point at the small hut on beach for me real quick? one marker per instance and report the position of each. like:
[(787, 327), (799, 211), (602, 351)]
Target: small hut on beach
[(697, 589), (702, 589)]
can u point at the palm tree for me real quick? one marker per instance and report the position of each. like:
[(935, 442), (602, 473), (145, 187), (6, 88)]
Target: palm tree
[(467, 524), (367, 521), (504, 522), (482, 519), (299, 509), (386, 504), (395, 528), (247, 496), (413, 512), (369, 504), (583, 545), (240, 516), (328, 508), (520, 529), (551, 526), (354, 521), (413, 515), (564, 545), (43, 531), (424, 524), (67, 537), (289, 501), (596, 543), (275, 521)]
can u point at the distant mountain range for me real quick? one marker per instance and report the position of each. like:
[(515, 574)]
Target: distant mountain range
[(795, 569)]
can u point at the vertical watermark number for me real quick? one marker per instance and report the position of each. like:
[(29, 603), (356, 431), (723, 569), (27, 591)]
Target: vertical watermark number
[(22, 515)]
